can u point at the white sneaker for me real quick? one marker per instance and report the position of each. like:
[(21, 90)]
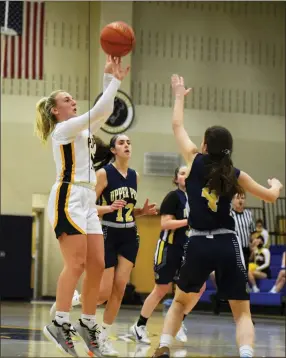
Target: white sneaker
[(107, 350), (105, 346), (75, 302), (140, 334), (76, 299), (181, 335), (255, 289)]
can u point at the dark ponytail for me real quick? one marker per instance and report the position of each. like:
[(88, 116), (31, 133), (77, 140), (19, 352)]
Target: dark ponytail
[(103, 154), (220, 172), (175, 176)]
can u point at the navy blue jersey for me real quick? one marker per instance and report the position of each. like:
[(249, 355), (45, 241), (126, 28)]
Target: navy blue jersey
[(175, 203), (207, 211), (118, 188)]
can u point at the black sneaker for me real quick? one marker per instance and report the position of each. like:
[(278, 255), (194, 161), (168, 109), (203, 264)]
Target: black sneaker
[(61, 335)]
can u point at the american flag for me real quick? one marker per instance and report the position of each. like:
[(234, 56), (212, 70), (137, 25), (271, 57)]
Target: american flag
[(23, 53)]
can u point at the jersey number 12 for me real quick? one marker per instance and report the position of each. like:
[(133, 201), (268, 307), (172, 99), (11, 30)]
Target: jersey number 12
[(128, 216)]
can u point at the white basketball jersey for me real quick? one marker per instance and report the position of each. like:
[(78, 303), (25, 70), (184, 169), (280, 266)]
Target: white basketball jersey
[(74, 158), (73, 144)]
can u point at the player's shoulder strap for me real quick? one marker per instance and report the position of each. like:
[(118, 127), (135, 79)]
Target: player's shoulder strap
[(132, 174)]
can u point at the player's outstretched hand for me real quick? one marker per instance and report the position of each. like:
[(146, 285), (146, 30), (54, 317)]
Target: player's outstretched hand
[(118, 71), (149, 209), (178, 85), (113, 66), (275, 183)]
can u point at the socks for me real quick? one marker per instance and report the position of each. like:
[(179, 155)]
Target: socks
[(142, 321), (88, 320), (166, 340), (245, 351), (62, 317), (273, 290)]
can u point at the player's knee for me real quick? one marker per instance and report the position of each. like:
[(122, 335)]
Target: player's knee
[(240, 309), (95, 267), (76, 267), (182, 299), (160, 291), (241, 315)]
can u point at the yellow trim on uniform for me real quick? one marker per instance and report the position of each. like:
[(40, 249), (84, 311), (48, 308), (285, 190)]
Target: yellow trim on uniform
[(73, 162), (69, 192), (56, 205), (63, 162), (59, 187), (171, 237), (160, 253), (104, 202)]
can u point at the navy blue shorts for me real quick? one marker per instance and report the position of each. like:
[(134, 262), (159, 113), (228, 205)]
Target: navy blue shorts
[(222, 254), (167, 262), (120, 241)]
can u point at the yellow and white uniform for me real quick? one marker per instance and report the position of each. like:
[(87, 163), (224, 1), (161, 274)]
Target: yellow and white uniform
[(71, 207)]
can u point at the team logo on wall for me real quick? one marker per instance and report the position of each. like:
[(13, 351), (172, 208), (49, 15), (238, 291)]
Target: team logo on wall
[(122, 116)]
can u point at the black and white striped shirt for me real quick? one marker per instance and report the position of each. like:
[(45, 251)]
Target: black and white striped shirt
[(244, 226)]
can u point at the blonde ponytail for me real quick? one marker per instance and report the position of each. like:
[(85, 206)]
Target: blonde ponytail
[(45, 120)]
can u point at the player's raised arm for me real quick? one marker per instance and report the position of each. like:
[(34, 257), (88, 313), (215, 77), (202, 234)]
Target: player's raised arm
[(187, 148), (267, 194), (100, 112), (112, 70)]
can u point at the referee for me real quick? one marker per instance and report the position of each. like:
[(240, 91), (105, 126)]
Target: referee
[(244, 225)]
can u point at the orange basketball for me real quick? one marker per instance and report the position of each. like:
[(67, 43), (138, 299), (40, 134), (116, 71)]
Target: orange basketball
[(117, 39)]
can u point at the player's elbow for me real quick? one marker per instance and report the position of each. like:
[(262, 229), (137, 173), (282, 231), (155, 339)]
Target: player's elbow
[(176, 125), (165, 224)]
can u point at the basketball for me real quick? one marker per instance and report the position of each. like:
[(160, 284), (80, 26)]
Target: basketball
[(117, 39)]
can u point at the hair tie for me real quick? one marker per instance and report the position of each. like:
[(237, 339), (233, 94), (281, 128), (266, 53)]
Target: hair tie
[(226, 151)]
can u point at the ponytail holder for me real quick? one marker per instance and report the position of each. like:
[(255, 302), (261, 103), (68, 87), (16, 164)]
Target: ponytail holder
[(226, 151)]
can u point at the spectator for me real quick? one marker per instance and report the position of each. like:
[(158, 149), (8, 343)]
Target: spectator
[(261, 267), (261, 231), (280, 282)]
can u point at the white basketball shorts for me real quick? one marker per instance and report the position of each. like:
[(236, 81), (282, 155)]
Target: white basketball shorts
[(72, 210)]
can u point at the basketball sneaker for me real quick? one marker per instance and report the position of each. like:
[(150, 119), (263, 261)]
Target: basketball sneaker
[(140, 334), (105, 345), (89, 338), (181, 335), (61, 335)]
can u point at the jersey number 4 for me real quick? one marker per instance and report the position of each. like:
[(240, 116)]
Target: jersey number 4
[(211, 197), (128, 217)]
